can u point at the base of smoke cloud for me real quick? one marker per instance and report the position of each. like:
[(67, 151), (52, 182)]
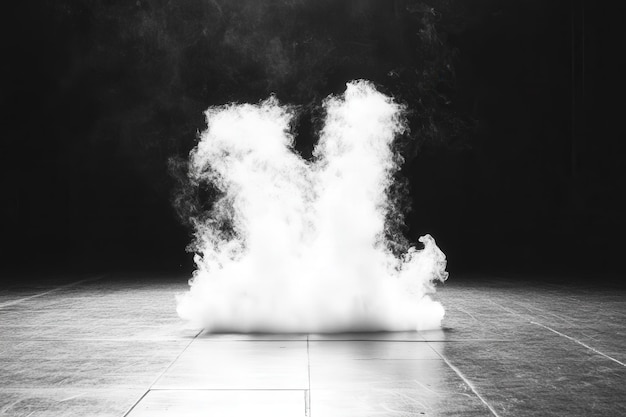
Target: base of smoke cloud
[(408, 316), (317, 304), (299, 246)]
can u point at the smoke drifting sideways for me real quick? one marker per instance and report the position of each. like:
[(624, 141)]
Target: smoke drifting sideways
[(299, 246)]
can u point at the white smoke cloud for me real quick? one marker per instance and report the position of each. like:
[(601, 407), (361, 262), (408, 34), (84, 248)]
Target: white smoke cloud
[(299, 246)]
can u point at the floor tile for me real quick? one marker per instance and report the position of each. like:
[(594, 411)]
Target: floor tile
[(222, 403), (239, 365)]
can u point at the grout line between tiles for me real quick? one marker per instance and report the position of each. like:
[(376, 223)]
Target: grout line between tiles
[(227, 389), (71, 284), (161, 374), (467, 381), (579, 342), (307, 398)]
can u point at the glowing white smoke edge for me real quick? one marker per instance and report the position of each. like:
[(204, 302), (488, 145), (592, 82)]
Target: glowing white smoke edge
[(307, 252)]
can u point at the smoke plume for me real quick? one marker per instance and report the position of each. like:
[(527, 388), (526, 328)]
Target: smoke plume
[(291, 245)]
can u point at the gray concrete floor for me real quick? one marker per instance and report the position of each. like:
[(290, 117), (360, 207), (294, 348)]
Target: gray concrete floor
[(105, 346)]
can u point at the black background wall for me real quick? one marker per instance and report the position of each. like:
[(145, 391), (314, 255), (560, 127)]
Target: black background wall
[(515, 161)]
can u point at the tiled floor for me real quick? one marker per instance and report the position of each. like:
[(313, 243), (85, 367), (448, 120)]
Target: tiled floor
[(113, 346)]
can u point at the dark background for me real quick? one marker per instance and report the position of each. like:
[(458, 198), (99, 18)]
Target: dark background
[(514, 161)]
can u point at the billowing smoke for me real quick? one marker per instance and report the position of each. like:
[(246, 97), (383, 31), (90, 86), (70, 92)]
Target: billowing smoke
[(292, 245)]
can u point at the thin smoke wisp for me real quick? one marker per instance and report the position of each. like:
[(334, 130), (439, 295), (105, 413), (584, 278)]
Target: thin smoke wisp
[(291, 245)]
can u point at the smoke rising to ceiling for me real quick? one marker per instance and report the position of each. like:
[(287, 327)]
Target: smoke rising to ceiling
[(291, 245)]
